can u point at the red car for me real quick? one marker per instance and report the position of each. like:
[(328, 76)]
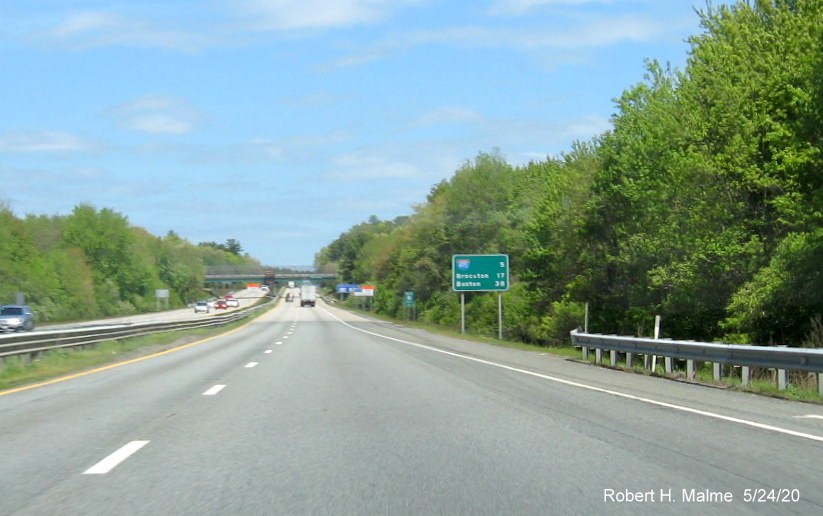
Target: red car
[(221, 304)]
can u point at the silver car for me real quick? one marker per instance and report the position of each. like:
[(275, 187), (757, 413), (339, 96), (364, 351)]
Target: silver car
[(201, 306), (16, 318)]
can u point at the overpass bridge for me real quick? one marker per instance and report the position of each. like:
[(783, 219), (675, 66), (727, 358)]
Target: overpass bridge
[(267, 275)]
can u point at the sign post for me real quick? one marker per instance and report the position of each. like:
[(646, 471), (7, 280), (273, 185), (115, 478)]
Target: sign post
[(480, 273), (409, 303)]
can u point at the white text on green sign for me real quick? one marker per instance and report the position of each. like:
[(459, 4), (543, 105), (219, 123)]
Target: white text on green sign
[(480, 272)]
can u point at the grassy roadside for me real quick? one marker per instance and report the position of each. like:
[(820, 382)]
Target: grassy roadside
[(20, 371), (565, 351), (799, 390)]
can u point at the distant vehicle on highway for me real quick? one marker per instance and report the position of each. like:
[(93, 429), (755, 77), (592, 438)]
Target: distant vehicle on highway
[(291, 284), (221, 304), (231, 301), (16, 318), (308, 295), (201, 306)]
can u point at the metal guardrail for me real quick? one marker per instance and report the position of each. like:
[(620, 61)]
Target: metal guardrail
[(34, 343), (773, 357)]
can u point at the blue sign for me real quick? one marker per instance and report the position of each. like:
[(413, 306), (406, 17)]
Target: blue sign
[(347, 288)]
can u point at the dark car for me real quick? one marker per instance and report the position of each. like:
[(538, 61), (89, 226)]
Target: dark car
[(16, 318)]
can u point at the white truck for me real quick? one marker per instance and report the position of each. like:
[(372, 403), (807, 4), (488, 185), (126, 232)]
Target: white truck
[(308, 295)]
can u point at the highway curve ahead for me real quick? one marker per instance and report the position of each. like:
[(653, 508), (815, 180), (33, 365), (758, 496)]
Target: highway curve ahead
[(315, 411)]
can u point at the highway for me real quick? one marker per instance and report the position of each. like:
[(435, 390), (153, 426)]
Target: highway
[(245, 297), (318, 411)]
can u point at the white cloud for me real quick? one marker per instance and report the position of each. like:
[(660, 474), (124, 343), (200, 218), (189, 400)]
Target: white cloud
[(450, 115), (90, 29), (316, 14), (520, 7), (358, 167), (584, 33), (159, 114), (44, 141)]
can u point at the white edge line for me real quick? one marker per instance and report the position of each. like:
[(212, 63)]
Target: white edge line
[(110, 462), (624, 395), (214, 390)]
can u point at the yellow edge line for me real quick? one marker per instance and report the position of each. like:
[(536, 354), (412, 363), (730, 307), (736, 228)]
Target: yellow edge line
[(119, 364)]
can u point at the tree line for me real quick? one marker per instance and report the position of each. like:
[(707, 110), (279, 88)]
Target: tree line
[(93, 263), (703, 204)]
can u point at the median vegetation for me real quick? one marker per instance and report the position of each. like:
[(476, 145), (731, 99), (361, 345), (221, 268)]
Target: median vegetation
[(22, 370)]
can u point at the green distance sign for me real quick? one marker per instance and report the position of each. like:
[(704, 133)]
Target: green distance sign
[(480, 272)]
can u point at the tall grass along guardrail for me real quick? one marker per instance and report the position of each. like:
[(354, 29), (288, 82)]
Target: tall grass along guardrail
[(780, 358)]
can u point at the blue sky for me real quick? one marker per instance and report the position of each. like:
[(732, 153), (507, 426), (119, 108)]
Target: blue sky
[(282, 123)]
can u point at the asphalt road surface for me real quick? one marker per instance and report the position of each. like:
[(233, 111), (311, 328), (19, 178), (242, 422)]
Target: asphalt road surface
[(316, 411)]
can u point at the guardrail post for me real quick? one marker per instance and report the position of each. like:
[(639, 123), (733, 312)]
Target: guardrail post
[(717, 367), (585, 350), (613, 357), (745, 376), (820, 383), (629, 360), (782, 382), (669, 364), (647, 362), (598, 355), (690, 369)]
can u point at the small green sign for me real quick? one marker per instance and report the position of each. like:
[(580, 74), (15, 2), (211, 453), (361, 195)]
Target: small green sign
[(408, 299), (480, 272)]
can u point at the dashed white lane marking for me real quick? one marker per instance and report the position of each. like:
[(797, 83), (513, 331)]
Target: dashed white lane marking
[(809, 416), (251, 364), (214, 390), (284, 337), (279, 342), (650, 401), (267, 351), (110, 462)]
